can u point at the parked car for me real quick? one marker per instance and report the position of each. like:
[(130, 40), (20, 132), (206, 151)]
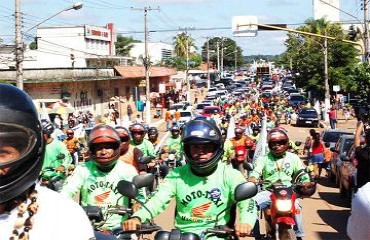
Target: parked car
[(332, 135), (179, 106), (348, 174), (209, 110), (341, 148), (307, 117)]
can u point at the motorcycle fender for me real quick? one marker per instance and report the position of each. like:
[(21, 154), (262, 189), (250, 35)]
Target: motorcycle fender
[(286, 220)]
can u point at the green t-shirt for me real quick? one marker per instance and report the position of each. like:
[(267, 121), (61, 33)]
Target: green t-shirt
[(200, 199), (175, 144), (146, 147), (99, 188), (282, 170), (52, 150)]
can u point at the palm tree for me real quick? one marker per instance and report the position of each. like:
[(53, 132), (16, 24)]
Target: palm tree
[(182, 44)]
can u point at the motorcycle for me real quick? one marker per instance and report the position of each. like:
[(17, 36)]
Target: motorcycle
[(280, 216), (53, 179), (242, 192), (129, 190)]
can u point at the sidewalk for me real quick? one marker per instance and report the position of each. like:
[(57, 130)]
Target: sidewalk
[(350, 124)]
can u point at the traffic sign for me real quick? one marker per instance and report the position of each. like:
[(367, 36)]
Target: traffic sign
[(336, 88), (245, 26)]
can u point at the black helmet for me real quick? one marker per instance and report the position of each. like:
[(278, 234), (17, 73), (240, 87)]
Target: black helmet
[(20, 131), (47, 127), (153, 131), (306, 191), (175, 128), (198, 131)]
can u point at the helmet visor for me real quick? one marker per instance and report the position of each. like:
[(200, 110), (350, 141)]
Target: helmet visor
[(15, 143)]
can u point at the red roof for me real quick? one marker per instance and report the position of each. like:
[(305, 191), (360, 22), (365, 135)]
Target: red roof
[(139, 72)]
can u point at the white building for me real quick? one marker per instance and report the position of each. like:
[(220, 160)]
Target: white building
[(73, 46), (328, 9), (158, 52)]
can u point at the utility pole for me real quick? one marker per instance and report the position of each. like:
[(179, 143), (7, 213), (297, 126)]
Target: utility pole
[(326, 78), (218, 58), (366, 30), (18, 45), (208, 74), (236, 58), (146, 62), (222, 56)]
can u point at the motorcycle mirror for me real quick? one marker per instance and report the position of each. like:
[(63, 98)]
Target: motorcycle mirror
[(127, 189), (145, 159), (245, 190), (298, 143), (248, 166), (144, 180)]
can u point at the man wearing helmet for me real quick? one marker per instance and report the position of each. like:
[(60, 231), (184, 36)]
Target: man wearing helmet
[(128, 153), (278, 165), (54, 149), (153, 136), (174, 143), (96, 180), (241, 140), (202, 188), (138, 132), (28, 210)]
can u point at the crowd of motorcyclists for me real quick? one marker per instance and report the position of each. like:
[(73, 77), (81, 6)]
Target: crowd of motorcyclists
[(200, 165)]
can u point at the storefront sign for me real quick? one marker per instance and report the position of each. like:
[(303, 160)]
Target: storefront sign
[(97, 33)]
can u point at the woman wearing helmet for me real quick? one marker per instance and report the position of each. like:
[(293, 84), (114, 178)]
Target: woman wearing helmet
[(203, 183), (138, 132), (96, 180), (21, 154), (129, 154), (278, 165)]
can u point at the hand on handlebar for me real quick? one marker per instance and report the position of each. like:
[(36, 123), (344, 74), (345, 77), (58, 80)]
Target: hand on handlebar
[(242, 229), (60, 169), (252, 179), (131, 224)]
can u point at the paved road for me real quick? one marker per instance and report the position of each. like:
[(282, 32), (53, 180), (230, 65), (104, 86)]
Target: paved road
[(325, 214)]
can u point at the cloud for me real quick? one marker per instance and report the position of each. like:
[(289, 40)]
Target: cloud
[(173, 1), (280, 2)]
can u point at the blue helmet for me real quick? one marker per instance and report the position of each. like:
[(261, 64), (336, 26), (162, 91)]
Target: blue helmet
[(201, 131)]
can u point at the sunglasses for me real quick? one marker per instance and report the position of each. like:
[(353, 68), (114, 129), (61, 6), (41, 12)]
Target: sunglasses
[(125, 139), (281, 142)]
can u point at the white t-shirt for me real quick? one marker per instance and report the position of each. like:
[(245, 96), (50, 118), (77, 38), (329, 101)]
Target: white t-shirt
[(358, 226), (58, 218)]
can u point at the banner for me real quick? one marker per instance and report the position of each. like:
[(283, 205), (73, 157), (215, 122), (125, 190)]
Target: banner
[(231, 129), (262, 141)]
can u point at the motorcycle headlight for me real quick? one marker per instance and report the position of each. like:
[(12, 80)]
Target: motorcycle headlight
[(284, 205), (171, 156)]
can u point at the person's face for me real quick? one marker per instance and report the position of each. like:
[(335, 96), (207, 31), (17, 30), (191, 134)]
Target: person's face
[(201, 152), (104, 152), (152, 137), (175, 134), (7, 154), (138, 136), (278, 146)]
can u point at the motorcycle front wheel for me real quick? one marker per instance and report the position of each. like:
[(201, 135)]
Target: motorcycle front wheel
[(286, 232)]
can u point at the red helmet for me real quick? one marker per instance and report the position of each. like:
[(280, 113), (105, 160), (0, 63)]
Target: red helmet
[(104, 134), (124, 136), (278, 141)]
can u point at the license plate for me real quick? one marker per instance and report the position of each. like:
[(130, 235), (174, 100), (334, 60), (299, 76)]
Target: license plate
[(308, 121)]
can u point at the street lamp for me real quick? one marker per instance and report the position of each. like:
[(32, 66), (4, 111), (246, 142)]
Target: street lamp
[(19, 53)]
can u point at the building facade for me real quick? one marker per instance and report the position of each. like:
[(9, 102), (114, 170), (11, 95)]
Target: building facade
[(158, 52)]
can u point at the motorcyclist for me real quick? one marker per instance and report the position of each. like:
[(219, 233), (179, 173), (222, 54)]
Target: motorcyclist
[(203, 183), (138, 132), (229, 152), (53, 150), (174, 143), (28, 210), (241, 140), (153, 136), (278, 165), (128, 153), (96, 180)]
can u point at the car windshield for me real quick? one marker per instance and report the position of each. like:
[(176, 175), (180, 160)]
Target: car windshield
[(185, 114), (297, 98), (174, 107), (347, 144), (210, 110), (308, 111), (201, 106), (332, 136)]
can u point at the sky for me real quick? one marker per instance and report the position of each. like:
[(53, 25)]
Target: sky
[(202, 18)]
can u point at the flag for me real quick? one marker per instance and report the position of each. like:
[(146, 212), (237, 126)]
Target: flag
[(44, 113), (231, 128), (261, 144)]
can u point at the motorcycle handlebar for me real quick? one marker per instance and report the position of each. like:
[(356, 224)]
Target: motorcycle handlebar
[(122, 210), (145, 228)]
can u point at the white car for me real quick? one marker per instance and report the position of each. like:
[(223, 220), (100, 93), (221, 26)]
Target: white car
[(186, 116), (180, 106)]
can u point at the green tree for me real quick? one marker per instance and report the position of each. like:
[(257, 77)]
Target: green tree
[(229, 46), (183, 44), (362, 77), (306, 53), (124, 45)]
